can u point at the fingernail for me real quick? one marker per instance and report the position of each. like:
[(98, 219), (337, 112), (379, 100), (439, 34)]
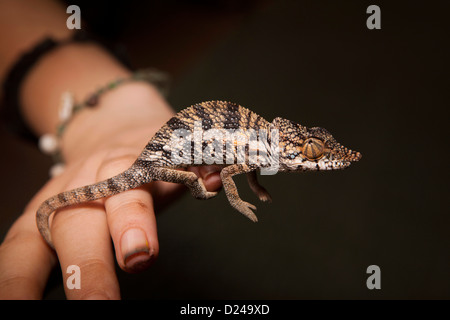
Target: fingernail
[(135, 249)]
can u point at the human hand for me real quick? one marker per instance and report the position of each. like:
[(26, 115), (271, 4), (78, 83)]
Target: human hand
[(98, 144)]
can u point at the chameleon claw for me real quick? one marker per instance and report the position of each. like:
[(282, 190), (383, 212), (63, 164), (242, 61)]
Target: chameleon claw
[(210, 194), (264, 196), (246, 209)]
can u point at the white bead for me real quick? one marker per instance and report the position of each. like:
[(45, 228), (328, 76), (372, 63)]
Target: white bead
[(66, 107), (56, 170), (48, 143)]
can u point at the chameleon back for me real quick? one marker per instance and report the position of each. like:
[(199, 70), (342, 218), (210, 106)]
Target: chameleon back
[(203, 117)]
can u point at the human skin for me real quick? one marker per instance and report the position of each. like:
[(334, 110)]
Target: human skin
[(98, 143)]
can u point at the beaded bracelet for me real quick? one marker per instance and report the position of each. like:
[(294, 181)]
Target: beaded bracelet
[(51, 143), (10, 115)]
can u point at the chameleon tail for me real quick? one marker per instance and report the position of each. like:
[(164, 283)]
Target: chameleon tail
[(132, 178)]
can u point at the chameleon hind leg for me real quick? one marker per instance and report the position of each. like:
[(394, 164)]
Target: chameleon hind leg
[(231, 191), (189, 179)]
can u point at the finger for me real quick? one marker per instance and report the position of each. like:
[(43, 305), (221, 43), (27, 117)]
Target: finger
[(25, 258), (210, 176), (131, 221), (132, 225), (164, 193), (81, 239), (25, 261)]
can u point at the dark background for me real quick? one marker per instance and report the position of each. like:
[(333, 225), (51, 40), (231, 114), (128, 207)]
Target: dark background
[(382, 92)]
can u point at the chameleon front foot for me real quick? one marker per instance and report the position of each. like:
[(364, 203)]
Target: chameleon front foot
[(199, 191), (189, 179)]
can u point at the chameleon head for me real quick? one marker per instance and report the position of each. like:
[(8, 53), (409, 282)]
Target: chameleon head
[(306, 149)]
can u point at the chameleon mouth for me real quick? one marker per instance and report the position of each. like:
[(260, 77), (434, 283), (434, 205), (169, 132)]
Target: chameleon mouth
[(345, 159), (346, 155), (353, 156)]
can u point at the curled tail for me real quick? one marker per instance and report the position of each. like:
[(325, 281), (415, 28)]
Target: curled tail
[(132, 178)]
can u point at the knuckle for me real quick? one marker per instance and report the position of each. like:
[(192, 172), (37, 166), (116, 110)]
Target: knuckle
[(128, 210), (97, 279), (92, 264), (17, 279), (10, 283), (90, 269), (132, 205)]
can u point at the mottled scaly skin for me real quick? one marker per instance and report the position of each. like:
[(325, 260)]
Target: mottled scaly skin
[(299, 149), (212, 114)]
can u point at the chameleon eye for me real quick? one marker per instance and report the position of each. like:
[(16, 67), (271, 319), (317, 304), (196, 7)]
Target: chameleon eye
[(313, 148)]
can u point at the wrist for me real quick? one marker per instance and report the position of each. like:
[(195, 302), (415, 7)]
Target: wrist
[(77, 67), (81, 69)]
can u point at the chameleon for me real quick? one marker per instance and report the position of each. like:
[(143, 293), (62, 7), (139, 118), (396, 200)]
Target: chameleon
[(296, 148)]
